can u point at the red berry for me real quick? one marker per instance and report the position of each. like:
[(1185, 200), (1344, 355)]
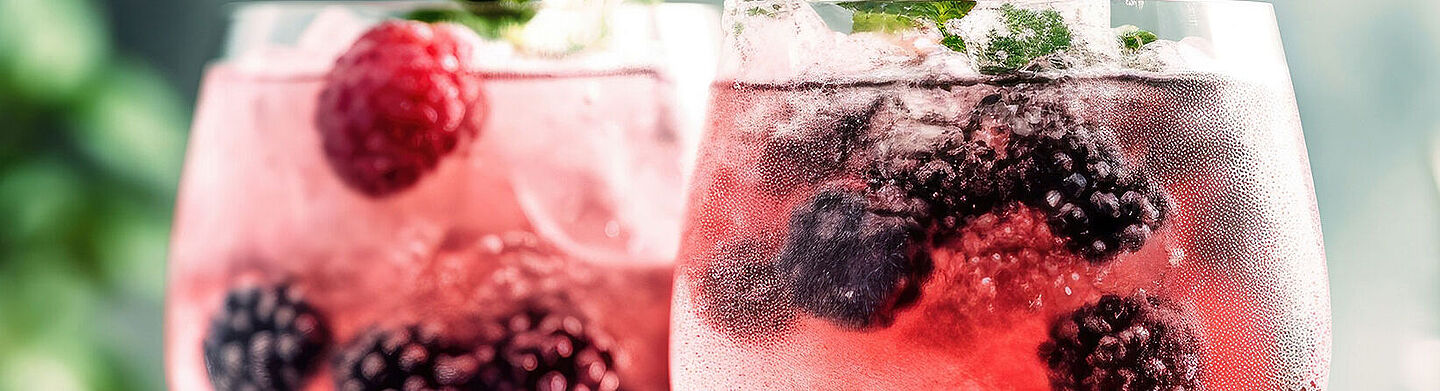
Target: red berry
[(396, 102), (1009, 261)]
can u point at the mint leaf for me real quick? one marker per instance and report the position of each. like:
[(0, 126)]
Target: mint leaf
[(489, 19), (1031, 34), (953, 42), (758, 11), (882, 22), (1132, 37), (894, 16)]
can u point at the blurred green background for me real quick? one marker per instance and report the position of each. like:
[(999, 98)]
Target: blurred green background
[(96, 96)]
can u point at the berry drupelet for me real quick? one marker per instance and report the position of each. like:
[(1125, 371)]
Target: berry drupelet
[(553, 351), (1134, 343), (396, 102), (849, 264), (1093, 197), (264, 338), (410, 359)]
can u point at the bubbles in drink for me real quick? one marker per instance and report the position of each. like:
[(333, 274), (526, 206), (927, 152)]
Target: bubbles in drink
[(996, 195), (431, 206)]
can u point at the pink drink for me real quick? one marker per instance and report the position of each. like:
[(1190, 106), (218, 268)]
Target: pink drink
[(916, 227), (520, 259)]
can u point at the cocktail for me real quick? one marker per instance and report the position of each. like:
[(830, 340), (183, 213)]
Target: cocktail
[(436, 195), (1001, 195)]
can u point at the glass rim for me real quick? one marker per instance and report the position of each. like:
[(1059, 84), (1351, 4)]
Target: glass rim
[(1263, 3), (240, 7)]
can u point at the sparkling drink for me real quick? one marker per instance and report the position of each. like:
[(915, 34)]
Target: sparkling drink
[(306, 255), (1018, 197)]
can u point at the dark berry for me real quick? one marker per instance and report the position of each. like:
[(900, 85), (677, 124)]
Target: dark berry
[(956, 181), (1130, 343), (810, 147), (264, 339), (1055, 162), (552, 351), (742, 295), (410, 359), (396, 102), (849, 264)]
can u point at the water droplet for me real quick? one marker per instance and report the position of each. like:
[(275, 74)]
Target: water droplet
[(612, 229)]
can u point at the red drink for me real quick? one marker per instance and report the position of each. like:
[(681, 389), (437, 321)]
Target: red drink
[(518, 260), (900, 221)]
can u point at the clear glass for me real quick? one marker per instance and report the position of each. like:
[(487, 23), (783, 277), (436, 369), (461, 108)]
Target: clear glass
[(877, 207), (558, 218)]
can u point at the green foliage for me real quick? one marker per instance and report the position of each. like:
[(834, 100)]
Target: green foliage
[(89, 159), (49, 49), (490, 19), (893, 16), (131, 127), (1031, 34), (882, 22), (1132, 37)]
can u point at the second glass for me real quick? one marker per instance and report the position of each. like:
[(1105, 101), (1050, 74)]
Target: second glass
[(1002, 195), (488, 203)]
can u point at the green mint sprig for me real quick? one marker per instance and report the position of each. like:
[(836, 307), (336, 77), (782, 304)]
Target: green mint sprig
[(1133, 38), (895, 16), (490, 19), (1032, 34)]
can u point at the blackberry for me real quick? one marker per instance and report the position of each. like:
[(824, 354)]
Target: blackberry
[(263, 339), (849, 264), (410, 359), (814, 147), (547, 350), (1123, 344), (956, 181), (742, 294), (1057, 163)]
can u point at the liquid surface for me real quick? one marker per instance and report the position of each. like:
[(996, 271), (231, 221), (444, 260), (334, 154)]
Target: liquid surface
[(1235, 257), (538, 209)]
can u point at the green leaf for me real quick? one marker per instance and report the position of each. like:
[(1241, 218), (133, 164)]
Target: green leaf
[(895, 16), (1132, 37), (1031, 34), (490, 19), (133, 126), (50, 49), (953, 42), (882, 22)]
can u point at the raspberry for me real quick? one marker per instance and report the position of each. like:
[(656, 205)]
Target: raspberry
[(741, 293), (848, 264), (1123, 344), (263, 339), (546, 350), (1057, 163), (396, 102), (410, 359), (1010, 260)]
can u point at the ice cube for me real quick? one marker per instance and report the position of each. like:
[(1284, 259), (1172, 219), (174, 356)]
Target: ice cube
[(1187, 55), (276, 40), (1007, 36), (332, 31), (564, 26)]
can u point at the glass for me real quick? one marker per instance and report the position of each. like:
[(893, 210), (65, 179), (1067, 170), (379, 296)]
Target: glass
[(536, 246), (1068, 195)]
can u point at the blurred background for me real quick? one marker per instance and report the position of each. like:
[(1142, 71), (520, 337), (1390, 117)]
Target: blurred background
[(96, 97)]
